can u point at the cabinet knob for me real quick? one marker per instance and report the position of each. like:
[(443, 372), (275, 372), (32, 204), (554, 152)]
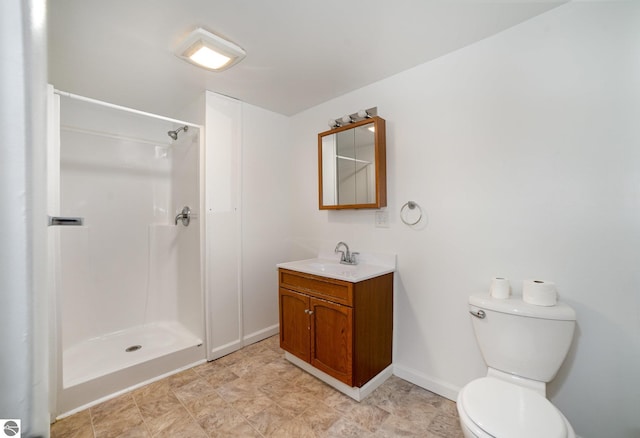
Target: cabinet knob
[(310, 312)]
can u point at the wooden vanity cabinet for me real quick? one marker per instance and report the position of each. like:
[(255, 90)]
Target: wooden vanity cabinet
[(343, 329)]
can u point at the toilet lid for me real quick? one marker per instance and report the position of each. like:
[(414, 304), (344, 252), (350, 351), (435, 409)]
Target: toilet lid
[(506, 410)]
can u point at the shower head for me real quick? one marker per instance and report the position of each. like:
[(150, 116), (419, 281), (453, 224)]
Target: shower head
[(174, 134)]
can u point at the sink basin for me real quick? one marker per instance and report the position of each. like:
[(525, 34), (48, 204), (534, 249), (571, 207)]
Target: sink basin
[(334, 269), (331, 267)]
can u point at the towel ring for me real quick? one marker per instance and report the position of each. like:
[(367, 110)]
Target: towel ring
[(411, 205)]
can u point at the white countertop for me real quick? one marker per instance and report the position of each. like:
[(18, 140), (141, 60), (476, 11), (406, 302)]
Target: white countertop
[(328, 265)]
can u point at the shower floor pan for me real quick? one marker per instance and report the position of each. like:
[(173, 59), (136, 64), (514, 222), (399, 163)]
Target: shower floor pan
[(100, 367), (103, 355)]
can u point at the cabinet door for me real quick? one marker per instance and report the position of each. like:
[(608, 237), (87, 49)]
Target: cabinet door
[(294, 323), (332, 339)]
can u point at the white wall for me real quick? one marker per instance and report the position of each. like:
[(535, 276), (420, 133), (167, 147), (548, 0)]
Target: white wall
[(523, 152)]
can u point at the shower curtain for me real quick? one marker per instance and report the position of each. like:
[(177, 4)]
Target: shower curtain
[(23, 376)]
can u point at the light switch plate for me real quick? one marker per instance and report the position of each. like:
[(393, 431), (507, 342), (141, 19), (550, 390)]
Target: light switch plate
[(382, 219)]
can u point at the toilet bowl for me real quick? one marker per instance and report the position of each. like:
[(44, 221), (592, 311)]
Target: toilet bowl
[(492, 408), (523, 346)]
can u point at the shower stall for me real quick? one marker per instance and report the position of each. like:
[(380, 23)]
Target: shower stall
[(125, 197)]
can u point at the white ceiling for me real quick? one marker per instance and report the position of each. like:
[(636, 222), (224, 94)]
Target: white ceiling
[(299, 52)]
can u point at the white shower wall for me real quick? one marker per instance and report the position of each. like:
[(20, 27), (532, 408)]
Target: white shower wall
[(106, 263), (126, 248), (186, 177), (129, 275)]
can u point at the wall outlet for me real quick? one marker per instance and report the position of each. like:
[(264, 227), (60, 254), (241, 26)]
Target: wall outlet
[(382, 219)]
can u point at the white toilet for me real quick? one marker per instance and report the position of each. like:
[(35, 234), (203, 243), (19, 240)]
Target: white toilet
[(523, 346)]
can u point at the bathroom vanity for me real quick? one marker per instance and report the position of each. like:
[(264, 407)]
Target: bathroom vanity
[(336, 322)]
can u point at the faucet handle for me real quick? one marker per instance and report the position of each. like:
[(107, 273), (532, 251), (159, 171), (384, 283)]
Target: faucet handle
[(354, 260)]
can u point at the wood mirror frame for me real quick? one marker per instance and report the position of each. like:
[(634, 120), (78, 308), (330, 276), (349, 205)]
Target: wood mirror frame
[(352, 166)]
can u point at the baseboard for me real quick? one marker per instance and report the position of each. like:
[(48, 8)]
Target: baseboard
[(261, 335), (429, 383), (237, 344), (223, 350)]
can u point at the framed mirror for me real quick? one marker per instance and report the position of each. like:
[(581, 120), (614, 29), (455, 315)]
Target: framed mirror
[(352, 166)]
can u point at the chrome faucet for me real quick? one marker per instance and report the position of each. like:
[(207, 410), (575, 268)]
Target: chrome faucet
[(347, 257)]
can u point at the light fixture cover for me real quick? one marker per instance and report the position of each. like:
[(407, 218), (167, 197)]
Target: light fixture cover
[(210, 51)]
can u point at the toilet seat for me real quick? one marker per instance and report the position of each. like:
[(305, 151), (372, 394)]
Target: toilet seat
[(503, 409)]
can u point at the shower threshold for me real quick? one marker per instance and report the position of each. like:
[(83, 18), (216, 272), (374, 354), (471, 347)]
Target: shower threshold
[(120, 350)]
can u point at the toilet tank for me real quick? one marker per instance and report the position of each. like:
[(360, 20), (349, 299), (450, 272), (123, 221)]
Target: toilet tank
[(522, 339)]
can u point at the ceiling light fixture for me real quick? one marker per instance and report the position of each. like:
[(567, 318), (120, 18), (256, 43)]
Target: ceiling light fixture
[(210, 51)]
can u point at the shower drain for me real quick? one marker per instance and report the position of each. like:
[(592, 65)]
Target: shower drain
[(133, 348)]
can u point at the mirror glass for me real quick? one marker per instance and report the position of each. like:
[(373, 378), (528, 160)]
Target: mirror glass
[(352, 166)]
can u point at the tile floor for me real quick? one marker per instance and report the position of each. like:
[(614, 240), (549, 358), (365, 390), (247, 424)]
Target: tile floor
[(255, 392)]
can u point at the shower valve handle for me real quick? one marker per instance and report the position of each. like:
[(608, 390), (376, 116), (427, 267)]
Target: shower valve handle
[(184, 216)]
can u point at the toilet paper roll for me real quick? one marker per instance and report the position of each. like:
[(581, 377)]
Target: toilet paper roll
[(500, 288), (539, 292)]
